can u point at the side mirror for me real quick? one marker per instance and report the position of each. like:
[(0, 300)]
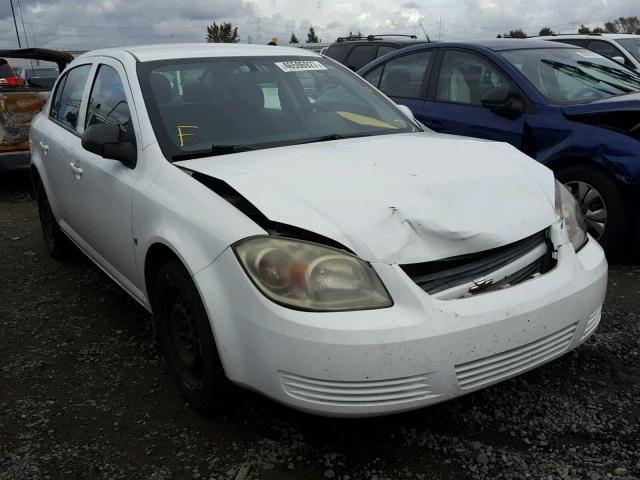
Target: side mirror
[(619, 59), (503, 98), (406, 110), (110, 141)]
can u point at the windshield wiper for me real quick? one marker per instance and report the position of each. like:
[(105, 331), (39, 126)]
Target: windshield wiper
[(331, 136), (211, 152), (581, 73), (612, 71)]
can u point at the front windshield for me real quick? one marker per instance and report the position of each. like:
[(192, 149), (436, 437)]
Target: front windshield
[(632, 45), (209, 106), (572, 76)]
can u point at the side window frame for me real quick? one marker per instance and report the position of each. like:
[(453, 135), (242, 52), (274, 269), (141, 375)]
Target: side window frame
[(126, 84), (60, 85), (437, 67), (94, 79)]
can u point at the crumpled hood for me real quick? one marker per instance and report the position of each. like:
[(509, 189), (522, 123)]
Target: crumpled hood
[(404, 198)]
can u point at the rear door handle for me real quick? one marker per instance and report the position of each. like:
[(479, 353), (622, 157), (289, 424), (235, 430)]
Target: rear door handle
[(77, 171), (44, 147)]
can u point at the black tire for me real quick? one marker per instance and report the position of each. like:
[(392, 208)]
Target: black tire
[(58, 244), (186, 340), (615, 236)]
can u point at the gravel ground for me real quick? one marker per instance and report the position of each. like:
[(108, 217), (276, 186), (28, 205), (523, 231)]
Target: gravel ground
[(84, 394)]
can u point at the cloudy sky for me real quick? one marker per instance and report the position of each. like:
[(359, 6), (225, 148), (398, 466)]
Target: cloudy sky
[(83, 24)]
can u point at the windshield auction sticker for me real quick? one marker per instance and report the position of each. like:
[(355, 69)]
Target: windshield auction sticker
[(300, 66)]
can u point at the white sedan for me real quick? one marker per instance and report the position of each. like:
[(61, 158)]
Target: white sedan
[(297, 233)]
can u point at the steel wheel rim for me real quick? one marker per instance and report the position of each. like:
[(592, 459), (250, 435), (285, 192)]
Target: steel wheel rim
[(184, 343), (591, 205)]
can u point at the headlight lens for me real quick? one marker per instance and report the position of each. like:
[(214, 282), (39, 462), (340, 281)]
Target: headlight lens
[(567, 208), (309, 276)]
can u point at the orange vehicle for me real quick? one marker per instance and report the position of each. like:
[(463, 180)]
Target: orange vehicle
[(20, 101)]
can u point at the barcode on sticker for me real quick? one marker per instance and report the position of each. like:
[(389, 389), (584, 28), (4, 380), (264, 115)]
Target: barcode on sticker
[(300, 66)]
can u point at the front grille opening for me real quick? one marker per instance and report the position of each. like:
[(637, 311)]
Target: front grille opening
[(506, 266)]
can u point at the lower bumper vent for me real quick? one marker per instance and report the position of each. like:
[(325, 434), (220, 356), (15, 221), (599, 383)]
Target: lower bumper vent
[(354, 394), (592, 324), (512, 362)]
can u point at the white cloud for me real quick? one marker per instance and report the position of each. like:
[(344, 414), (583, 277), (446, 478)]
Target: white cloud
[(95, 23)]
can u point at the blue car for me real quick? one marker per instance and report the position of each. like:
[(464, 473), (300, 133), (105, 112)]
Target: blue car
[(569, 108)]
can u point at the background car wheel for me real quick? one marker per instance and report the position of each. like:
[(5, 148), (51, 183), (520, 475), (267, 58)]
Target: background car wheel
[(602, 205), (186, 339), (57, 242)]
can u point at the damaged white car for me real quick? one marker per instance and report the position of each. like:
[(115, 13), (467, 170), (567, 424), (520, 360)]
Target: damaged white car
[(295, 232)]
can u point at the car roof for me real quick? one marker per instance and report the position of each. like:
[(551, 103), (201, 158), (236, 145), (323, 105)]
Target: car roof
[(591, 35), (498, 44), (373, 41), (149, 53)]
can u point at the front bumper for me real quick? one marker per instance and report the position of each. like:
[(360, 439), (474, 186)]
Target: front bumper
[(419, 352)]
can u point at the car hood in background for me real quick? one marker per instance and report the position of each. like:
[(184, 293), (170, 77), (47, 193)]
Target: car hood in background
[(610, 104), (404, 198), (621, 114)]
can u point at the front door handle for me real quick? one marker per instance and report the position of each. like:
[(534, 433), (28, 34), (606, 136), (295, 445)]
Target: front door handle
[(44, 147), (77, 171)]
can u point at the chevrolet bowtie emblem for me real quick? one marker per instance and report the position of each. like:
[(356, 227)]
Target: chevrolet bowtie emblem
[(480, 285)]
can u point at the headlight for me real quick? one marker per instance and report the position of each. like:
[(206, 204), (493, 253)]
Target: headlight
[(568, 209), (308, 276)]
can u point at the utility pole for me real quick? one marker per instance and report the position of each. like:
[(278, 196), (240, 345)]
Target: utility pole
[(15, 23), (440, 27), (259, 29)]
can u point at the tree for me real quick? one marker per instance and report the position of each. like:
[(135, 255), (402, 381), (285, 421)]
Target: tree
[(611, 27), (223, 33), (546, 32), (598, 30), (312, 37), (518, 33), (628, 25), (293, 38), (584, 30)]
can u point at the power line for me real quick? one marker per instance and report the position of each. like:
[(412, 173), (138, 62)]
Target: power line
[(15, 23), (24, 30)]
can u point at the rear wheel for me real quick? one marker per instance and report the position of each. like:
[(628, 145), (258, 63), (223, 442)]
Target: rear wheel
[(601, 203), (57, 242), (186, 339)]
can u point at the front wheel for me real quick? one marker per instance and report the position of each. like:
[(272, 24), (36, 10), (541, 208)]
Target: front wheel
[(186, 339), (601, 203)]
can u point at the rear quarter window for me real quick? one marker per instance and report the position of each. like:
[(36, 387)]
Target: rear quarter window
[(338, 52)]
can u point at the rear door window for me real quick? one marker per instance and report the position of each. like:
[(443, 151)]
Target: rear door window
[(65, 106), (338, 52), (384, 49), (403, 76), (360, 56)]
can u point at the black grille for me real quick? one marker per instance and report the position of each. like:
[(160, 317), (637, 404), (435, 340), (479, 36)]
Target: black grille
[(434, 277)]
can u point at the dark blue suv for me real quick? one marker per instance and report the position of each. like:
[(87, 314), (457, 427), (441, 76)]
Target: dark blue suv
[(569, 108)]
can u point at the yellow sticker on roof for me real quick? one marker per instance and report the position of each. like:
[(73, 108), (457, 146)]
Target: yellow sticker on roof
[(364, 120)]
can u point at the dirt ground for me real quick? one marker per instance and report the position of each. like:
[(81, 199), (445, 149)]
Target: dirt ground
[(85, 395)]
